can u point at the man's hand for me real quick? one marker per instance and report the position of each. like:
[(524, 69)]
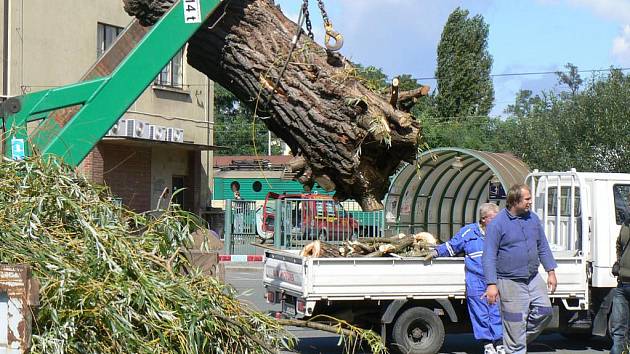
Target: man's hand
[(552, 282), (431, 255), (492, 293)]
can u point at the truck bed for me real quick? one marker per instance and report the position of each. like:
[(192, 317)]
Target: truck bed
[(387, 278)]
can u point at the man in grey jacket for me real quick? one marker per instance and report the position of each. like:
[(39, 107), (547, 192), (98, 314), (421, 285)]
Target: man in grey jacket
[(514, 249)]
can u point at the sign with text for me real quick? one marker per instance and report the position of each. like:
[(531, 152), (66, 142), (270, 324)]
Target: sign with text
[(192, 11), (17, 149)]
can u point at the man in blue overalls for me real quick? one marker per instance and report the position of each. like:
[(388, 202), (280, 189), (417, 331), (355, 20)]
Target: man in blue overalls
[(485, 318)]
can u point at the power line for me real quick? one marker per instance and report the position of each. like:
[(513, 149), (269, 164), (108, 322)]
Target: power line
[(529, 73), (526, 73)]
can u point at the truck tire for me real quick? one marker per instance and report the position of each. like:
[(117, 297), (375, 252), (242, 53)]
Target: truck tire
[(418, 331)]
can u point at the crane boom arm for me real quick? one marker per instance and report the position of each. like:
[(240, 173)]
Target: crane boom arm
[(103, 100)]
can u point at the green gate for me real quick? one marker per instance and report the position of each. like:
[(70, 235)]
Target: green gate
[(240, 227)]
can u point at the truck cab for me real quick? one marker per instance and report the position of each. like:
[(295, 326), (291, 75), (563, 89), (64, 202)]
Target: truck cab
[(582, 213)]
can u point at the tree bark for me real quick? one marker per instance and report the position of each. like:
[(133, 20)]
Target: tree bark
[(350, 136), (398, 246)]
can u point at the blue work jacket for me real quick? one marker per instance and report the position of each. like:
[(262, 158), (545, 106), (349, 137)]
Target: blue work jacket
[(470, 240), (516, 246)]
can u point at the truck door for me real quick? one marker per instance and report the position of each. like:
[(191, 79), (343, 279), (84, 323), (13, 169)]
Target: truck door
[(327, 224), (612, 200), (347, 223), (269, 212)]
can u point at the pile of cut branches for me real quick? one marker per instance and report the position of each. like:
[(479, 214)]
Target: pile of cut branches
[(112, 280), (416, 245)]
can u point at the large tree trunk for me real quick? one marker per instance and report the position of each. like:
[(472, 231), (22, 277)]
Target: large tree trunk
[(351, 138)]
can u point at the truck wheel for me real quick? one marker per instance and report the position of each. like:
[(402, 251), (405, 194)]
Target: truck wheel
[(418, 331)]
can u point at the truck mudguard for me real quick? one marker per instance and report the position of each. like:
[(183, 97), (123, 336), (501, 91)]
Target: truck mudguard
[(394, 307), (448, 307)]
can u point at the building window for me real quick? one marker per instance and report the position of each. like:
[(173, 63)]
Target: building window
[(105, 36), (173, 74)]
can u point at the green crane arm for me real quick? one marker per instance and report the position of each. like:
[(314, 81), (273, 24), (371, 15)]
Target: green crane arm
[(104, 100)]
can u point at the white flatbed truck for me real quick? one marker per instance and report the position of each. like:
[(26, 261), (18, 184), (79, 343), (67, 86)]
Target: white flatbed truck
[(412, 302)]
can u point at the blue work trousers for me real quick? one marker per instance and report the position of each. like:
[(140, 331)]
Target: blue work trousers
[(619, 319), (485, 319)]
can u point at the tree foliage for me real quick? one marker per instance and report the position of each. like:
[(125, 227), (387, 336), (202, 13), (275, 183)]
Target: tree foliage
[(233, 126), (571, 78), (588, 130), (585, 127), (477, 134), (373, 78), (473, 133), (463, 68)]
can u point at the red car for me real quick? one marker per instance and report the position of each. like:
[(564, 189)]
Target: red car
[(308, 217)]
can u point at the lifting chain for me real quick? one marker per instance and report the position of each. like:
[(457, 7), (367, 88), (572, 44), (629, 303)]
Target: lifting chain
[(304, 17), (307, 16), (331, 34), (320, 3)]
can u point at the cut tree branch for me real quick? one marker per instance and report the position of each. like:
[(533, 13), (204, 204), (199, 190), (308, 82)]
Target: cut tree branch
[(393, 97), (407, 99), (317, 325)]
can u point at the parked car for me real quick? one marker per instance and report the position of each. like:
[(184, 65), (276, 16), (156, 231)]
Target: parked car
[(307, 217)]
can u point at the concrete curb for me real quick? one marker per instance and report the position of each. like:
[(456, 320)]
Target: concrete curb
[(250, 267)]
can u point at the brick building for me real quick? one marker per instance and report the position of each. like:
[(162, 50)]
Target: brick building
[(162, 143)]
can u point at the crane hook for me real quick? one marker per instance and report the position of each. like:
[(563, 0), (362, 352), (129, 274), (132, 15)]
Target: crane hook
[(332, 34)]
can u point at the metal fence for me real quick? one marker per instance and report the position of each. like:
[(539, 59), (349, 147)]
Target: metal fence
[(292, 223), (240, 227)]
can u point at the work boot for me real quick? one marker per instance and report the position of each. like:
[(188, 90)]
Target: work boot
[(500, 349), (489, 349)]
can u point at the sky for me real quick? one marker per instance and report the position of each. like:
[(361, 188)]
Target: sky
[(526, 36)]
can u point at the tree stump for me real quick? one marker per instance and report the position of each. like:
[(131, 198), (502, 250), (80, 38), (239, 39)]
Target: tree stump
[(351, 138)]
